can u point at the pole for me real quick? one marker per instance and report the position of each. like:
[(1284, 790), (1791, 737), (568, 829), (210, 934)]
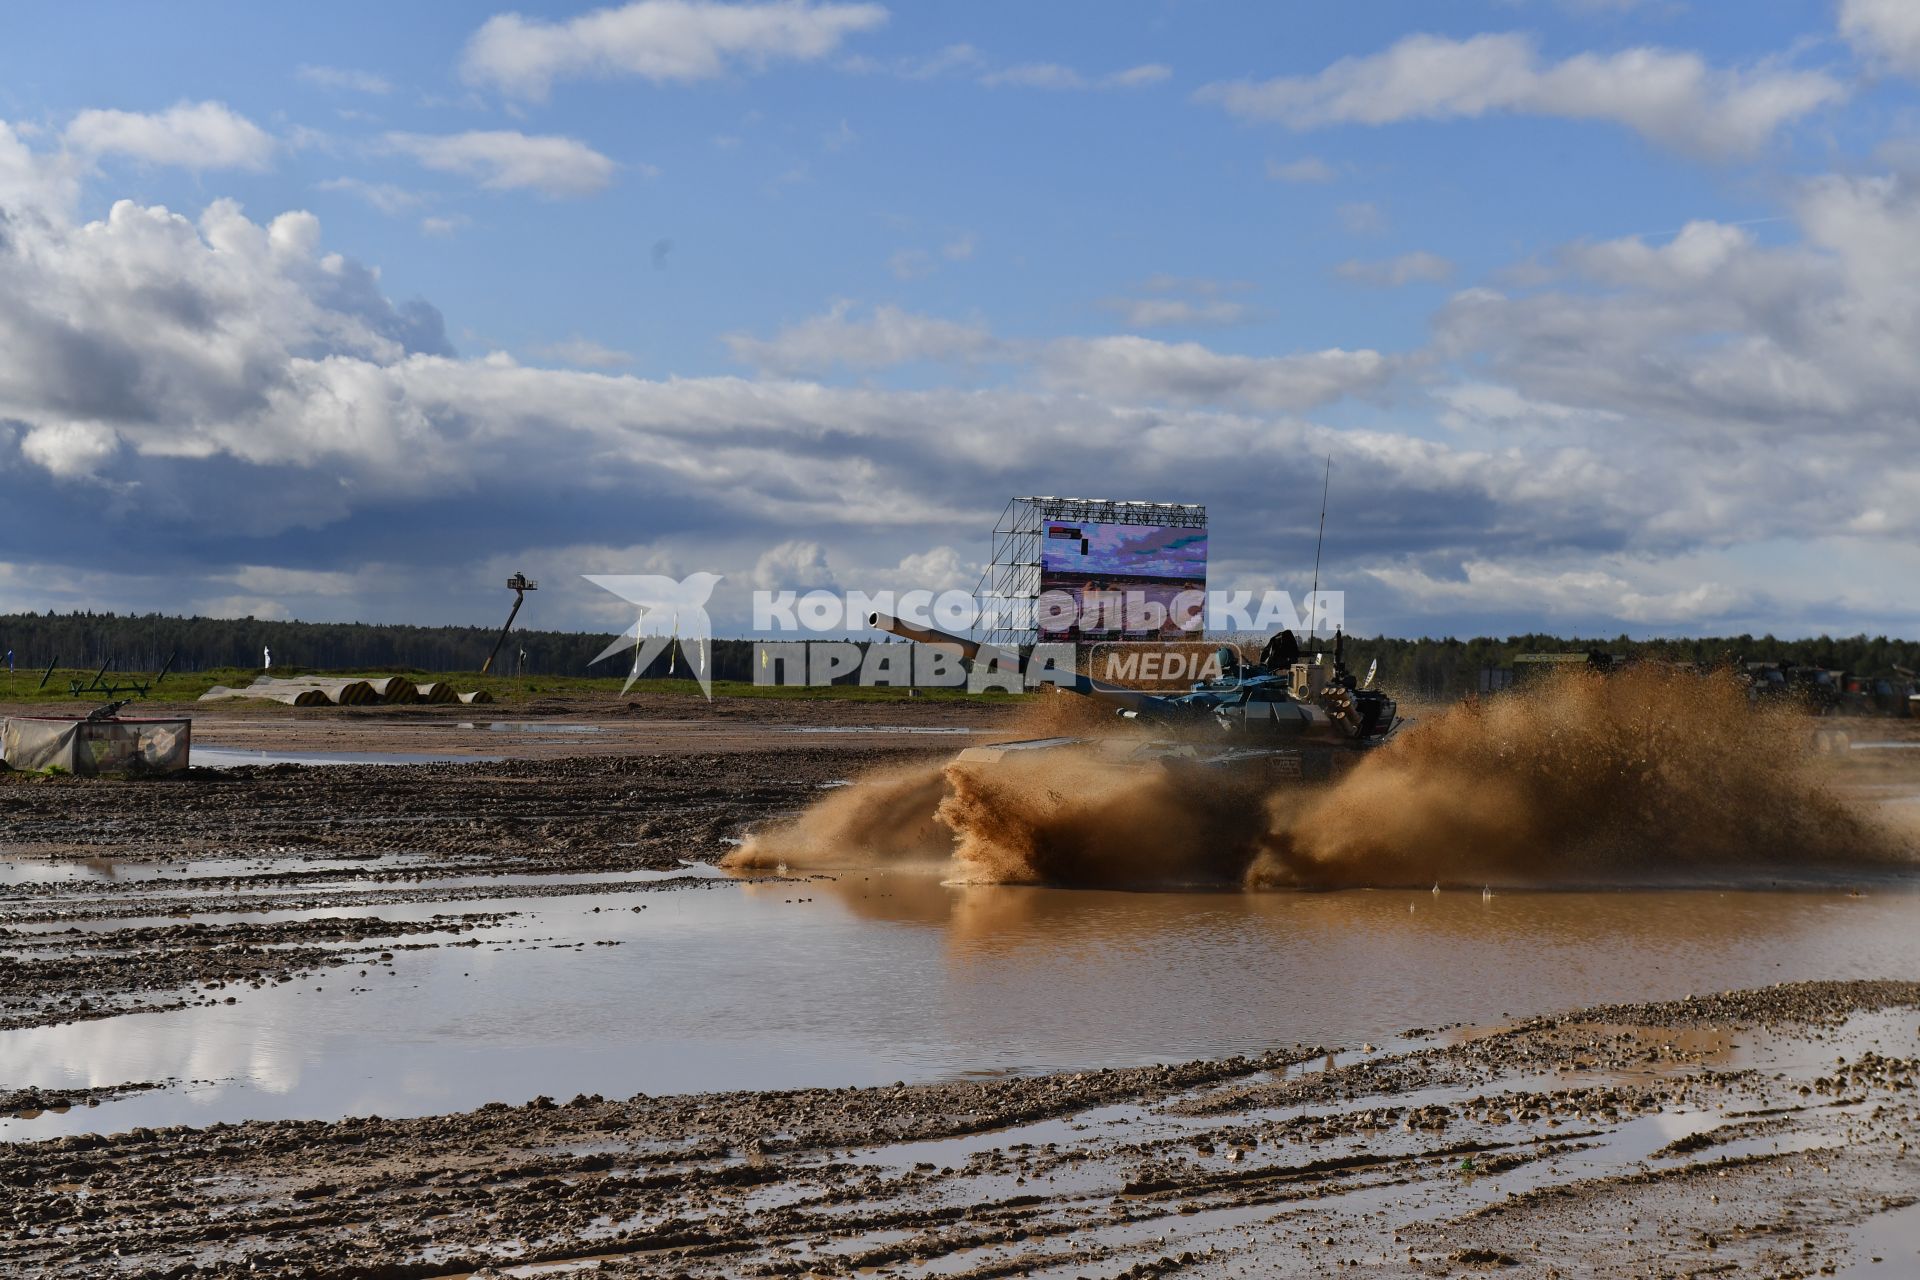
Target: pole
[(49, 675), (1313, 600), (519, 595)]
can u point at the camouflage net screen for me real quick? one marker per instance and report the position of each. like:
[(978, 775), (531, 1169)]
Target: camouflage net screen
[(39, 744)]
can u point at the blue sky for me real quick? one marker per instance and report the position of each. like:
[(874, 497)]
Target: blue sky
[(1603, 309)]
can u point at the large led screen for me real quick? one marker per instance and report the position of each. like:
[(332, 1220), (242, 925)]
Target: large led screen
[(1117, 573)]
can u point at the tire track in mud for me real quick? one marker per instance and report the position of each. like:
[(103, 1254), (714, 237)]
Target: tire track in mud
[(590, 813), (1757, 1129)]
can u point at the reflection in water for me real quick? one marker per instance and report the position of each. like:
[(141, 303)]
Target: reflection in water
[(871, 977), (206, 757)]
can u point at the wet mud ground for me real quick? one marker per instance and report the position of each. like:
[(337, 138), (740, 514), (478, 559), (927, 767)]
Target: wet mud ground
[(1754, 1133), (1762, 1132)]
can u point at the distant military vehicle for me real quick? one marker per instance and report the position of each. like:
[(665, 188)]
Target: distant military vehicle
[(1817, 688), (1310, 721), (1878, 695)]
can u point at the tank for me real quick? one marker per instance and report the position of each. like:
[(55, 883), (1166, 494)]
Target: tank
[(1310, 721)]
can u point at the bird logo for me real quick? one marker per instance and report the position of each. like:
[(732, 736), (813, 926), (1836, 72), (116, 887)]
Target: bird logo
[(672, 615)]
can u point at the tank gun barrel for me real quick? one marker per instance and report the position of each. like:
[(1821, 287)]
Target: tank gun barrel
[(973, 651)]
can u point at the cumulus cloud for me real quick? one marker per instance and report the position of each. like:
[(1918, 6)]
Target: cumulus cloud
[(665, 41), (1727, 358), (1187, 373), (506, 160), (794, 565), (1488, 587), (584, 353), (1887, 31), (1646, 400), (187, 135), (149, 332), (839, 338), (1673, 98), (1408, 268)]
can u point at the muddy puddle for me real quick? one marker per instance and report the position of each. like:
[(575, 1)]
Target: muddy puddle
[(234, 757), (694, 984)]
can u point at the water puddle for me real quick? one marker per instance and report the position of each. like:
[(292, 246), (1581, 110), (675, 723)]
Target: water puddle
[(1886, 1244), (539, 728), (879, 728), (233, 757), (869, 978)]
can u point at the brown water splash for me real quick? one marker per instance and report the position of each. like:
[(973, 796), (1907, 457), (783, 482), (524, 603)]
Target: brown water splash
[(1648, 776), (1082, 817), (1652, 774), (887, 816)]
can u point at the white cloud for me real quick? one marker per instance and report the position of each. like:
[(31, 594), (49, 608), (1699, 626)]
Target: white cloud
[(149, 333), (1583, 593), (345, 78), (187, 135), (584, 353), (797, 565), (1307, 169), (504, 160), (1409, 268), (1123, 368), (1139, 77), (936, 569), (1671, 97), (1700, 250), (1166, 313), (1650, 412), (1052, 75), (887, 337), (1721, 361), (1488, 404), (659, 40), (1035, 75), (31, 181), (273, 580), (1133, 368), (1885, 30), (68, 448), (953, 58), (442, 226), (384, 196)]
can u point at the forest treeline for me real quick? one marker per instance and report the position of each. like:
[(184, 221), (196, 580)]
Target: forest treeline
[(1424, 668), (1450, 668)]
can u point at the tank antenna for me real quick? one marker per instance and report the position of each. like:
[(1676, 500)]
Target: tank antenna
[(1313, 600)]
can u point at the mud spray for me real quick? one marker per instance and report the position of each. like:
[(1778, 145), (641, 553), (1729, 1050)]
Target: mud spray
[(1648, 776)]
